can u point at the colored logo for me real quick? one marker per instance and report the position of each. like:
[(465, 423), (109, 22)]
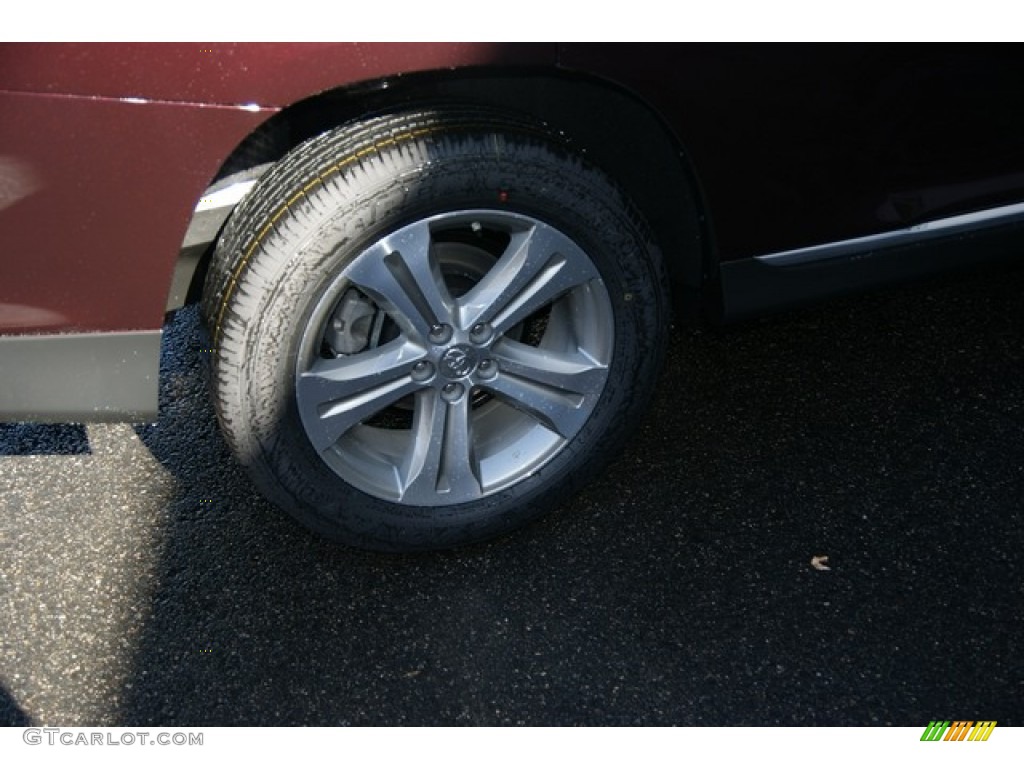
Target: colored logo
[(958, 730)]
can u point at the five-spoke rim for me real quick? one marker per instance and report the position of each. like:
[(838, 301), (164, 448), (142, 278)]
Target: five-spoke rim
[(454, 357)]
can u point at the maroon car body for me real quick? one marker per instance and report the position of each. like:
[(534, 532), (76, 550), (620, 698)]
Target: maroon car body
[(117, 144), (108, 148), (769, 175)]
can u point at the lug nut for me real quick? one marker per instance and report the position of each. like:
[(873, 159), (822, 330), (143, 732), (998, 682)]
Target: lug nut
[(422, 371), (480, 333), (452, 391), (439, 334), (487, 369)]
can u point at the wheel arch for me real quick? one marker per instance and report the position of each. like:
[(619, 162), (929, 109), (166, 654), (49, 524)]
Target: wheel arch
[(655, 172)]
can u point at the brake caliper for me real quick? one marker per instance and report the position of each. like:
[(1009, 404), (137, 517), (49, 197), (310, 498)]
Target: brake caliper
[(352, 327)]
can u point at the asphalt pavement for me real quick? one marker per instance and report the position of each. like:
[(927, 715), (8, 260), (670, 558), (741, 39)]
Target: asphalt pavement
[(818, 523)]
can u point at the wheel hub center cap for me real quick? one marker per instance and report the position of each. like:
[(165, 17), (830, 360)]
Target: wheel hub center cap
[(458, 362)]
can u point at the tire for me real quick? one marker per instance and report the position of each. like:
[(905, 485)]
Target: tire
[(431, 328)]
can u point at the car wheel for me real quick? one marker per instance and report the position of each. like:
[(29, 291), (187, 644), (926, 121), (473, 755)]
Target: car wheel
[(431, 327)]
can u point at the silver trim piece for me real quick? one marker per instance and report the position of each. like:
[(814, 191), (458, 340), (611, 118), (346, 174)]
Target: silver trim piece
[(227, 197), (209, 216), (990, 217), (216, 205)]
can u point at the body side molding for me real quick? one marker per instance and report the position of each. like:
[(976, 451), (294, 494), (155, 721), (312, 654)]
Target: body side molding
[(787, 279)]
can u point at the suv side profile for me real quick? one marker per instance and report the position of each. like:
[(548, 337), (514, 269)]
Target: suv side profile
[(438, 279)]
